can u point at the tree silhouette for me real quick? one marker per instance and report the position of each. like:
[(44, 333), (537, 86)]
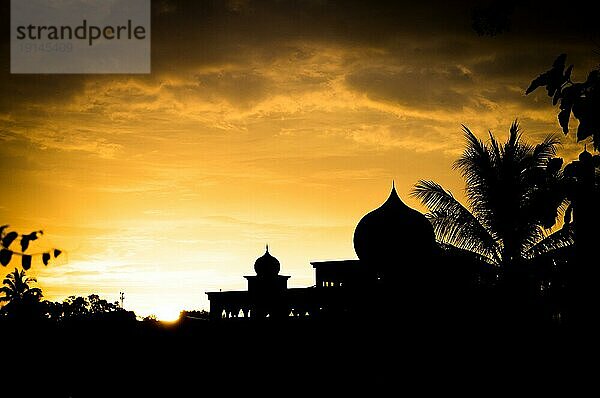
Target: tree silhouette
[(582, 182), (580, 99), (21, 298), (150, 319), (514, 193), (84, 308), (512, 197)]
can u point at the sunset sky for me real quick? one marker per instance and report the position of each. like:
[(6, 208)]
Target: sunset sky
[(279, 122)]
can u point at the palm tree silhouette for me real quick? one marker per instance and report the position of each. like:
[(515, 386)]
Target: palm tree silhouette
[(513, 199), (18, 293)]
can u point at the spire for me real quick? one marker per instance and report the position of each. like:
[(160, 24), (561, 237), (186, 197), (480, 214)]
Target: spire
[(267, 247), (393, 191), (394, 194)]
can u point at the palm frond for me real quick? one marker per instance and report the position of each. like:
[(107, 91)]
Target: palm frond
[(11, 285), (514, 135), (560, 239), (546, 150), (475, 158), (539, 214), (479, 167), (447, 247), (496, 150), (453, 223)]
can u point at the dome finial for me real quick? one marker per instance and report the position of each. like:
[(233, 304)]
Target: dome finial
[(267, 247), (393, 184)]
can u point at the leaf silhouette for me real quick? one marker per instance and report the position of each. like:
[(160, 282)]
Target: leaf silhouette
[(33, 235), (24, 243), (584, 130), (45, 258), (5, 256), (26, 261), (568, 73), (563, 119), (57, 253), (539, 81), (552, 79), (9, 238), (592, 78), (557, 97), (582, 100), (559, 62)]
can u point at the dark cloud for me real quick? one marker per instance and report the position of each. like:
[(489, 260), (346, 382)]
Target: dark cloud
[(503, 94), (214, 31), (517, 63), (37, 89), (427, 88), (188, 34), (526, 62)]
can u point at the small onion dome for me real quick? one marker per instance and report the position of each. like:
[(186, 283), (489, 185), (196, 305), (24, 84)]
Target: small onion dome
[(393, 232), (266, 265), (585, 156)]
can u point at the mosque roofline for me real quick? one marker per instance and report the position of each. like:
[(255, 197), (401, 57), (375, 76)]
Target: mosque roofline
[(229, 293), (335, 262), (258, 276)]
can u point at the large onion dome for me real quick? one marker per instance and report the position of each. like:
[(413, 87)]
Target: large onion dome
[(392, 233), (266, 265)]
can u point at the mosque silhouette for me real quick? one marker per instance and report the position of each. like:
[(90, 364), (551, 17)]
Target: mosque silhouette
[(397, 272)]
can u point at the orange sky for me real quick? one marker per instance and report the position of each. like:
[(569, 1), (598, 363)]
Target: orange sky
[(279, 125)]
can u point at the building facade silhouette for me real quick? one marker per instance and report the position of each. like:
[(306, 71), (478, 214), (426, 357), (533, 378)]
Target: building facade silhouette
[(396, 251)]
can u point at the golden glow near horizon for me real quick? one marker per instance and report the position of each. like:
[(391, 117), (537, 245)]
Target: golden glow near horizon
[(169, 185)]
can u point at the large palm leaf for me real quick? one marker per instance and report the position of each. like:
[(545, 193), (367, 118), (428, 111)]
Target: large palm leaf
[(559, 239), (453, 223)]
